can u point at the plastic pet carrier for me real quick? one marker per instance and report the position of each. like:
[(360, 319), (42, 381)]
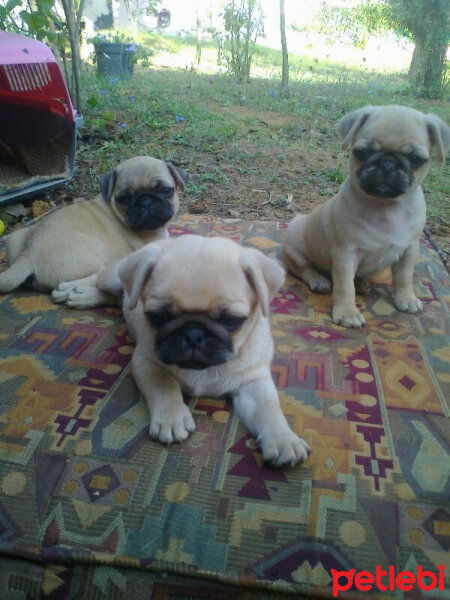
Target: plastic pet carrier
[(37, 120)]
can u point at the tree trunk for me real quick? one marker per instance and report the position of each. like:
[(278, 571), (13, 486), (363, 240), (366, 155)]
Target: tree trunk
[(71, 21), (414, 66), (285, 68), (198, 49), (431, 69)]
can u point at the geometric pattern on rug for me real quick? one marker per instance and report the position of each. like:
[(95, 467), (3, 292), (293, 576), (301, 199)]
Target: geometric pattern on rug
[(102, 511)]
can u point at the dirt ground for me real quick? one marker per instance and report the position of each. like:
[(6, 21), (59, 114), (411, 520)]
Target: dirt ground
[(293, 190)]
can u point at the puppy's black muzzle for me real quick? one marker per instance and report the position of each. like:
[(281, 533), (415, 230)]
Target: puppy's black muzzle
[(385, 176), (193, 346), (148, 212)]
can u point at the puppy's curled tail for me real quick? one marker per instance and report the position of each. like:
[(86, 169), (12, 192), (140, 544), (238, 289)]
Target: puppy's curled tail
[(16, 274)]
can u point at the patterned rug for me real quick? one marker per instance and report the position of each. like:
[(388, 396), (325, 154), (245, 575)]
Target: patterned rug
[(91, 508)]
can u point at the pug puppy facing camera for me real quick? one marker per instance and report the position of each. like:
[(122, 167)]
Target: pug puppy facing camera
[(198, 309), (376, 218), (65, 250)]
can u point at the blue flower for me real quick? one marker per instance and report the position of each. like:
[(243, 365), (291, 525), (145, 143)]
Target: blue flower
[(179, 118), (114, 80), (123, 125), (102, 92)]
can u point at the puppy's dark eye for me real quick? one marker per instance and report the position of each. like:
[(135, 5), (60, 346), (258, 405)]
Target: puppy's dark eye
[(165, 191), (362, 153), (416, 160), (122, 200), (160, 317), (230, 322)]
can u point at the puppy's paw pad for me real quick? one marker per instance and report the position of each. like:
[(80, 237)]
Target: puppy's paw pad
[(168, 427), (348, 318), (410, 304), (320, 285), (285, 449)]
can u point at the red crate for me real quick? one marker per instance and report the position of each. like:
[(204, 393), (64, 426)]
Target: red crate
[(37, 120)]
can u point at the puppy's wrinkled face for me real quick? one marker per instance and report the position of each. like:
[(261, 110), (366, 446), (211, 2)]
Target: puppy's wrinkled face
[(385, 174), (147, 206), (198, 306), (390, 153), (194, 340), (143, 192)]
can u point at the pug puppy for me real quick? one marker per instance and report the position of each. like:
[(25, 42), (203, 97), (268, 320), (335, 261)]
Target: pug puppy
[(198, 309), (65, 250), (377, 216)]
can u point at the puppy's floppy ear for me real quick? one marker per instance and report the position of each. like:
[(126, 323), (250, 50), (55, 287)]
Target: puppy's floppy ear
[(264, 275), (108, 183), (179, 175), (135, 270), (350, 124), (439, 134)]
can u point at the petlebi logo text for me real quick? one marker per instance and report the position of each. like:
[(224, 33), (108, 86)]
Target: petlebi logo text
[(365, 581)]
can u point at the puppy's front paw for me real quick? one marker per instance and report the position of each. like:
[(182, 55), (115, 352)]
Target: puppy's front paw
[(408, 303), (285, 448), (348, 317), (169, 425), (81, 296)]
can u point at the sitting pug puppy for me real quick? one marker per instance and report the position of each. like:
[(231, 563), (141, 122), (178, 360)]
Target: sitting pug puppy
[(64, 251), (198, 309), (377, 216)]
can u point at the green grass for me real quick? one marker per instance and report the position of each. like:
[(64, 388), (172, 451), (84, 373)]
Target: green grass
[(232, 135)]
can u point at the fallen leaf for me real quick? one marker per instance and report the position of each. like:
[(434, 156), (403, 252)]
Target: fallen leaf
[(39, 207)]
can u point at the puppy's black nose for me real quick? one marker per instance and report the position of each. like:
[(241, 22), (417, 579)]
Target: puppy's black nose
[(388, 165), (194, 337)]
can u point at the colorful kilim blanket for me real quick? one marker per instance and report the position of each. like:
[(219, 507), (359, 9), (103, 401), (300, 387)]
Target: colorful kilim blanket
[(91, 508)]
